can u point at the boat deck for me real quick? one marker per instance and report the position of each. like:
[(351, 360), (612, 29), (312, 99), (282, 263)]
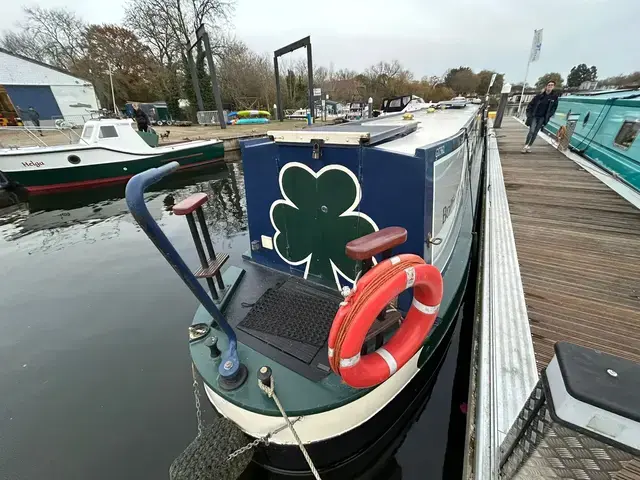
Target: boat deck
[(560, 262), (392, 133), (578, 245)]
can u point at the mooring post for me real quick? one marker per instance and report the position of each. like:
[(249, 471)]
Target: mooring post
[(504, 97), (279, 111), (312, 108)]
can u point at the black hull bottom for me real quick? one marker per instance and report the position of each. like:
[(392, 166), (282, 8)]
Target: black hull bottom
[(364, 451)]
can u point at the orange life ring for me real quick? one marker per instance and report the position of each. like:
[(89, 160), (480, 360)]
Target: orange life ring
[(372, 293)]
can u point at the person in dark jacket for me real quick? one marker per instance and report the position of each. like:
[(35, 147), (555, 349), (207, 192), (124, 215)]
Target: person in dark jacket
[(33, 115), (142, 119), (539, 112)]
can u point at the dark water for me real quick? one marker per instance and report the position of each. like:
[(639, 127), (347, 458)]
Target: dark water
[(95, 375)]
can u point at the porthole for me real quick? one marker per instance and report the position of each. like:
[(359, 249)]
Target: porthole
[(73, 159)]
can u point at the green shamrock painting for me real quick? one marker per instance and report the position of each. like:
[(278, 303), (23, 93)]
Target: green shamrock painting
[(316, 218)]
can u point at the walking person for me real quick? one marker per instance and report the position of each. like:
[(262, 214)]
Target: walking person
[(33, 115), (539, 112), (35, 118), (142, 119)]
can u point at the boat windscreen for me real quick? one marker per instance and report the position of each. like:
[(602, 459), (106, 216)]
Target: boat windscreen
[(395, 104)]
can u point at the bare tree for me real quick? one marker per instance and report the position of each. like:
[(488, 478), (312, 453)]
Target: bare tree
[(54, 35), (22, 43), (168, 27), (153, 29), (167, 21), (246, 77)]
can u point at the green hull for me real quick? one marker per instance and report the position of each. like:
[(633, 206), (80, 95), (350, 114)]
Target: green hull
[(69, 178)]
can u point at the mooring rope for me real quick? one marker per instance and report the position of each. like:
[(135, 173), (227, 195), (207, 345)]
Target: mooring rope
[(270, 391)]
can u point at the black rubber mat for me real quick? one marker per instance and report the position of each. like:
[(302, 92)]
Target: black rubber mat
[(293, 317)]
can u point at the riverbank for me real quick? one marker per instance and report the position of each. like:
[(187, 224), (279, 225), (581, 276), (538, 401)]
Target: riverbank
[(230, 135)]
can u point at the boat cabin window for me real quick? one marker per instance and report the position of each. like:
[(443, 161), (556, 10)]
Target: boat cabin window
[(87, 132), (395, 103), (108, 131), (627, 134)]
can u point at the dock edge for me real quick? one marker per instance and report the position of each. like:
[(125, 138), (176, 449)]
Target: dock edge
[(504, 370)]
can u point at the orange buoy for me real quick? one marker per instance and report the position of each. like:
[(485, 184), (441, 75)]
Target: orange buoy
[(373, 292)]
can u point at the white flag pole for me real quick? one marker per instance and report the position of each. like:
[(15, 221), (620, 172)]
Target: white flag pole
[(526, 74)]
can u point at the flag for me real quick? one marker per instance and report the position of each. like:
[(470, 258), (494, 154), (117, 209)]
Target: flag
[(536, 45)]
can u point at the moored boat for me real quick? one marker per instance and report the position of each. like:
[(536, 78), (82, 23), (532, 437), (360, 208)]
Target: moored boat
[(455, 102), (605, 127), (109, 151), (342, 220), (402, 104)]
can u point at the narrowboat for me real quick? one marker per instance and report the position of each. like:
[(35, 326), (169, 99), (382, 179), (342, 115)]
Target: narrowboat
[(320, 346), (109, 151), (604, 128)]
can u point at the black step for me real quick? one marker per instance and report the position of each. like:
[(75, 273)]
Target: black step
[(213, 268)]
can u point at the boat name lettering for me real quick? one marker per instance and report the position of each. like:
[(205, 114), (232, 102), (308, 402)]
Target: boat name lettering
[(446, 210), (439, 151), (31, 163)]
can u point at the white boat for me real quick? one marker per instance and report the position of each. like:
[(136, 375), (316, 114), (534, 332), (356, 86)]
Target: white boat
[(108, 151), (301, 113), (403, 104), (455, 102)]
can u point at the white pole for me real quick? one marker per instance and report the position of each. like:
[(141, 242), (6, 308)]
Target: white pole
[(526, 74), (113, 95)]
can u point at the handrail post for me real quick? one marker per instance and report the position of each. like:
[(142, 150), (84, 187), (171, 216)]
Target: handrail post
[(230, 363)]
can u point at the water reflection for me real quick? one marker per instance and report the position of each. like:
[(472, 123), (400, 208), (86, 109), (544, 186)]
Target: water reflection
[(73, 217), (226, 208)]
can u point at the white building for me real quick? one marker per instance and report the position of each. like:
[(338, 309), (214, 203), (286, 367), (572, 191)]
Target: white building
[(52, 92)]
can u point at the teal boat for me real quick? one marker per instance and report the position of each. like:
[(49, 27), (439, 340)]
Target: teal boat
[(608, 124), (345, 300)]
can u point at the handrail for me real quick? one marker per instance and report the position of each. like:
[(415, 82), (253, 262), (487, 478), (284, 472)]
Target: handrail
[(135, 202), (31, 133)]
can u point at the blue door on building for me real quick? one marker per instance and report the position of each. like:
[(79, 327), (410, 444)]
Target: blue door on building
[(39, 97)]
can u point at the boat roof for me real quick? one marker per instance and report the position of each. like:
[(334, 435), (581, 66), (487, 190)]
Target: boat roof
[(432, 128), (425, 128), (604, 95), (109, 121)]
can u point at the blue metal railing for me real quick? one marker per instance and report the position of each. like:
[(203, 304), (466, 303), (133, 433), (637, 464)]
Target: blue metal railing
[(135, 201)]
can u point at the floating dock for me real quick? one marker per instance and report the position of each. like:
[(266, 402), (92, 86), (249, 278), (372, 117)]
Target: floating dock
[(561, 262)]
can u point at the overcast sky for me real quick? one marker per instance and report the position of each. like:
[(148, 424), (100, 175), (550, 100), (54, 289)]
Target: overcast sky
[(425, 36)]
